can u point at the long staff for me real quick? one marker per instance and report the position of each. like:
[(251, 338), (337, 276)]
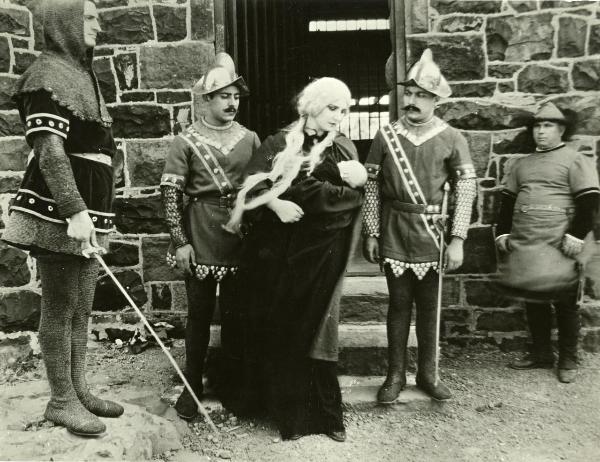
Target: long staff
[(92, 251), (441, 264)]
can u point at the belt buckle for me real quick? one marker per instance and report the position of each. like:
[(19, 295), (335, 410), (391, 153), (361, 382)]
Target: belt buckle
[(226, 201)]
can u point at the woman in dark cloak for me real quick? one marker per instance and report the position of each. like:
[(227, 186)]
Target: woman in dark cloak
[(309, 187)]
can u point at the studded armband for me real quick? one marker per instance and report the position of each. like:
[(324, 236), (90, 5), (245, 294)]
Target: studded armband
[(465, 191), (465, 172), (372, 207), (173, 205)]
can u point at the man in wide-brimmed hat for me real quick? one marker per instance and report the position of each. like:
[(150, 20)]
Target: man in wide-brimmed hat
[(409, 163), (206, 162), (548, 207)]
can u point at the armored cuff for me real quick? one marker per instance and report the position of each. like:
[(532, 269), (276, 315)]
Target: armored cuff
[(372, 209), (465, 172), (170, 179), (571, 246), (501, 235), (465, 191), (173, 206)]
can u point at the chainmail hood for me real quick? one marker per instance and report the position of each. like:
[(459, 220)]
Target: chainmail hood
[(64, 68)]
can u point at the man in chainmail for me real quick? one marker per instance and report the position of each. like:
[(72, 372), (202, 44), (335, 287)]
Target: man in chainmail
[(64, 203), (409, 162), (206, 162)]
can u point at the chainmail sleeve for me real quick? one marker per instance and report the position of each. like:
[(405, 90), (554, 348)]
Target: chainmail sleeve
[(465, 191), (372, 207), (172, 198)]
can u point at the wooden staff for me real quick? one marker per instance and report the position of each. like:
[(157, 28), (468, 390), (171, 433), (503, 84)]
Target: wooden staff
[(441, 264)]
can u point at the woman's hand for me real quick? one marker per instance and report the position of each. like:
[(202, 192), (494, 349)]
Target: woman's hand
[(287, 211), (185, 258), (371, 249), (503, 244), (353, 173)]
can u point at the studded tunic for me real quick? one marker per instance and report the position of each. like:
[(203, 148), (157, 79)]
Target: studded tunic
[(37, 219), (406, 188), (206, 164)]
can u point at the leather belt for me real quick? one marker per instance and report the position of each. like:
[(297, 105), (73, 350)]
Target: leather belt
[(227, 201), (546, 207), (415, 208), (96, 157)]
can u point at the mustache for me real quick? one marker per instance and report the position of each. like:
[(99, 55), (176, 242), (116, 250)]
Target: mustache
[(410, 107), (231, 109)]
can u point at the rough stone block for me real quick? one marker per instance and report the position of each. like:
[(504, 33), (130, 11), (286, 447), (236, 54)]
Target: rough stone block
[(501, 321), (20, 43), (10, 124), (454, 24), (109, 298), (543, 79), (111, 3), (590, 340), (590, 314), (16, 348), (174, 66), (173, 97), (19, 310), (522, 6), (179, 296), (154, 252), (140, 121), (506, 87), (171, 23), (480, 253), (126, 70), (419, 17), (14, 22), (485, 293), (587, 109), (564, 3), (466, 6), (503, 71), (571, 37), (122, 254), (480, 145), (161, 297), (511, 142), (4, 55), (203, 27), (364, 308), (146, 161), (462, 58), (140, 215), (126, 26), (106, 79), (491, 200), (586, 75), (470, 115), (14, 270), (13, 154), (473, 90), (594, 39), (10, 183), (363, 361), (520, 38), (22, 61), (137, 97), (7, 89)]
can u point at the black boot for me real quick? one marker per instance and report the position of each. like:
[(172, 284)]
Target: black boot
[(568, 320), (185, 406), (541, 356), (426, 298), (398, 329)]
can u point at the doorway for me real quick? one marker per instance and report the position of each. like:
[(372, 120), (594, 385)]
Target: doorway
[(279, 46)]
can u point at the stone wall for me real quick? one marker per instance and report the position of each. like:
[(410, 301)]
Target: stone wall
[(503, 58), (148, 57)]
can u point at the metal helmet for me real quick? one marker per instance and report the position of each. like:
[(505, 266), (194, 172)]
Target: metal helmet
[(426, 74), (221, 75)]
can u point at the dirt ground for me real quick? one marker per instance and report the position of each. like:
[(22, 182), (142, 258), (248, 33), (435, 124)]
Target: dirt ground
[(497, 414)]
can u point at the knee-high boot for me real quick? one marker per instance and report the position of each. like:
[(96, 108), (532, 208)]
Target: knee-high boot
[(398, 328), (569, 324), (60, 279), (79, 331), (426, 301)]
